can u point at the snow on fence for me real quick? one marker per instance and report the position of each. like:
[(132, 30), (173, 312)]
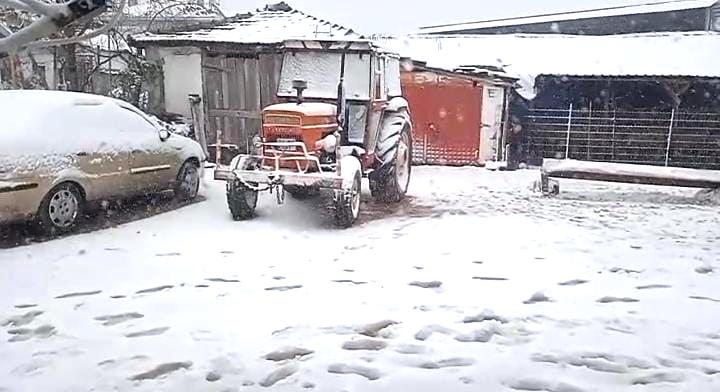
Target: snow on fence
[(672, 138)]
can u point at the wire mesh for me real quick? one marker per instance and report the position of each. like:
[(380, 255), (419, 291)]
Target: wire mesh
[(673, 138)]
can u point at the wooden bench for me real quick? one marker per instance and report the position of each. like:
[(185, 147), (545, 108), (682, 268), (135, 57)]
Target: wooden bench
[(624, 173)]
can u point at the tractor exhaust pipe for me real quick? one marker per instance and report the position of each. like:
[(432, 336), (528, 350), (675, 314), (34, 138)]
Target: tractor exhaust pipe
[(299, 86)]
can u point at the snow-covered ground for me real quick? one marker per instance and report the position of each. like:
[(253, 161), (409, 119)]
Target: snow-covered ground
[(474, 284)]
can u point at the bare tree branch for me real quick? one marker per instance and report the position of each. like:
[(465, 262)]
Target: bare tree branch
[(40, 7), (54, 18), (15, 4)]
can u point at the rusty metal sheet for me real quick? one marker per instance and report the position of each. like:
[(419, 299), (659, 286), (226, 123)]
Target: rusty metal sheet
[(447, 119)]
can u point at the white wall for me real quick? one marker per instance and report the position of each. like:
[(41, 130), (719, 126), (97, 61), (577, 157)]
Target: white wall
[(182, 70)]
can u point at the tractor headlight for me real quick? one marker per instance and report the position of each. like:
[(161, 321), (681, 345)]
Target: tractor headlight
[(327, 144)]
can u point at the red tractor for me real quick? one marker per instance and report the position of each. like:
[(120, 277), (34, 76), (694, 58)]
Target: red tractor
[(343, 118)]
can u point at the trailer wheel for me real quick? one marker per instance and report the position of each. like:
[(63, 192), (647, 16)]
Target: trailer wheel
[(390, 183), (347, 200), (242, 199)]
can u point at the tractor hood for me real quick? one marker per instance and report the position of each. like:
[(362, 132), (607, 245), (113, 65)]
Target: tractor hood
[(309, 109)]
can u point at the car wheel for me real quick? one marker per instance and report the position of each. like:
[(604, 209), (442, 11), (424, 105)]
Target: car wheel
[(188, 181), (61, 210)]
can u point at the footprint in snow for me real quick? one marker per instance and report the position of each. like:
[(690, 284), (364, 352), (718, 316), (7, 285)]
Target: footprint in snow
[(364, 345), (350, 281), (617, 270), (278, 375), (659, 377), (25, 334), (486, 315), (79, 294), (287, 353), (574, 282), (22, 320), (426, 332), (111, 320), (490, 278), (532, 384), (222, 280), (147, 333), (363, 371), (654, 286), (284, 288), (373, 330), (484, 335), (162, 370), (213, 377), (447, 363), (610, 300), (705, 270), (537, 298), (427, 285), (155, 289)]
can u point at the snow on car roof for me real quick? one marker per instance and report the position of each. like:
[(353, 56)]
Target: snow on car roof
[(527, 56), (267, 26)]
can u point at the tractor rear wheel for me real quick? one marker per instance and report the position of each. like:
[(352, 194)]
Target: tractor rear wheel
[(390, 183), (242, 198)]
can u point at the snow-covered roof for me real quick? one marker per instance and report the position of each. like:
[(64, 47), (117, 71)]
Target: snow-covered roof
[(638, 9), (271, 25), (527, 56)]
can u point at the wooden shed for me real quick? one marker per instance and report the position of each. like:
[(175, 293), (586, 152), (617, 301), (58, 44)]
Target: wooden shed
[(458, 116), (234, 66)]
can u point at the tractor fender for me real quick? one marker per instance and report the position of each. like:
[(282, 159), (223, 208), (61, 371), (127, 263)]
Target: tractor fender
[(397, 103)]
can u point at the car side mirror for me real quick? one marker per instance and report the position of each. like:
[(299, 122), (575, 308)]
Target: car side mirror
[(164, 135)]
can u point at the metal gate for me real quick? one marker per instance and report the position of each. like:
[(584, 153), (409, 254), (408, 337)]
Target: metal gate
[(236, 89), (446, 119)]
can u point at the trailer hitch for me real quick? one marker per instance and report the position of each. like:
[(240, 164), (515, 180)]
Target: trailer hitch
[(277, 184)]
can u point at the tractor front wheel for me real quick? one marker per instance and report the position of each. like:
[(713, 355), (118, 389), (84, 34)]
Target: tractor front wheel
[(347, 200), (241, 197)]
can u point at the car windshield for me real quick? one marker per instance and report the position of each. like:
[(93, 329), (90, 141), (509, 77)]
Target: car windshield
[(360, 196)]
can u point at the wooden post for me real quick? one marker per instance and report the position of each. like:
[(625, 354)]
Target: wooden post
[(569, 127), (589, 127), (218, 148), (669, 139), (613, 133)]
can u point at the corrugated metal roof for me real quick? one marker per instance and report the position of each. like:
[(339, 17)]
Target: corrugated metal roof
[(528, 56), (665, 6), (267, 26)]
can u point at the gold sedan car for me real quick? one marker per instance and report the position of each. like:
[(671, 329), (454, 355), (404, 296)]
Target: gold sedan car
[(61, 152)]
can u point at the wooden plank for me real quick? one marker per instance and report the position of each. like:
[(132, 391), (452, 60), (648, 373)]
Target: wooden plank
[(242, 114), (631, 173)]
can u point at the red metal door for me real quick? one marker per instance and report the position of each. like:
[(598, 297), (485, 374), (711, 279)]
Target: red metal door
[(446, 119)]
